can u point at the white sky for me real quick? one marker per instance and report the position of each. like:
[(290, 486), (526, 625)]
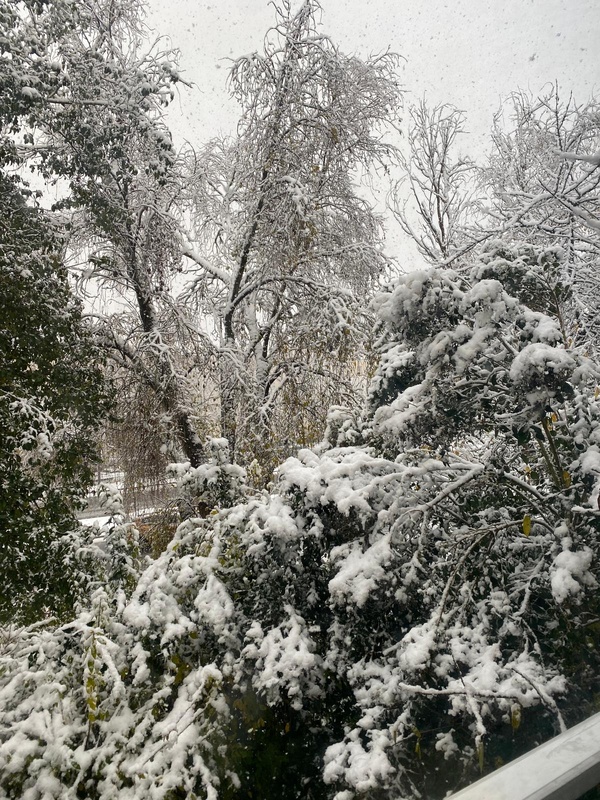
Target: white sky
[(467, 52)]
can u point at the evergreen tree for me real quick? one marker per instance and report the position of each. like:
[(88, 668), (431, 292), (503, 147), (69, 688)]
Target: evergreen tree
[(52, 398)]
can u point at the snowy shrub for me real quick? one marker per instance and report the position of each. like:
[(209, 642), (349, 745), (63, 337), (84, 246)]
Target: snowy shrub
[(104, 555), (212, 485), (404, 610)]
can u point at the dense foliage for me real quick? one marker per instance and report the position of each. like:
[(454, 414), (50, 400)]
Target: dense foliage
[(52, 399), (413, 603)]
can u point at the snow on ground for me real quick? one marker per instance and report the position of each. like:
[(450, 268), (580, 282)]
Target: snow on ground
[(97, 521)]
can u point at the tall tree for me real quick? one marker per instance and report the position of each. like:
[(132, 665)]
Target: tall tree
[(83, 104), (283, 244), (282, 247)]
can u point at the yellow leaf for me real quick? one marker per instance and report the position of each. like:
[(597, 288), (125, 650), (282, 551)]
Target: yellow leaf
[(597, 392), (526, 524), (566, 478), (480, 755), (417, 734), (515, 716), (287, 727)]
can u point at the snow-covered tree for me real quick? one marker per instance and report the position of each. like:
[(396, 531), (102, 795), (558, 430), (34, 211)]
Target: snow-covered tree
[(82, 104), (279, 246), (414, 603), (543, 179), (52, 400), (284, 248), (434, 199)]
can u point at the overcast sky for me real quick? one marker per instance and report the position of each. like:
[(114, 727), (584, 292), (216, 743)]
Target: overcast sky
[(467, 52)]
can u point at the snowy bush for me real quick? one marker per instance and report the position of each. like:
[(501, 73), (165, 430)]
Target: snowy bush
[(402, 612), (215, 484)]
